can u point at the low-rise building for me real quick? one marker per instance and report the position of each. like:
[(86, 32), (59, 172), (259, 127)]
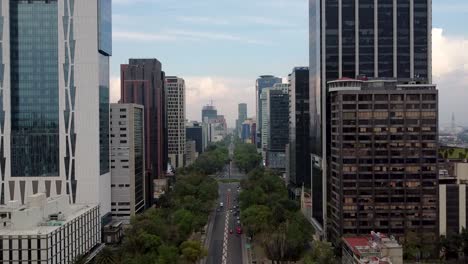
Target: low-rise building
[(375, 248), (191, 153), (48, 230)]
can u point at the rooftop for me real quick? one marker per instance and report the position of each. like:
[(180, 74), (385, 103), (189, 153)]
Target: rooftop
[(39, 216)]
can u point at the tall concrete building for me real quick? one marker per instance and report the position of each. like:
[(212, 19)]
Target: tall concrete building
[(127, 161), (383, 165), (264, 81), (365, 39), (54, 100), (175, 107), (142, 82), (298, 173)]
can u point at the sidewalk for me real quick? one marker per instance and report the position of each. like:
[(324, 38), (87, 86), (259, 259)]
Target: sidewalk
[(208, 235)]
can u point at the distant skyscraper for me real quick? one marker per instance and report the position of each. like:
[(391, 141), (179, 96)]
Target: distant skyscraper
[(264, 81), (142, 82), (175, 109), (54, 100), (194, 131), (299, 158), (242, 116), (127, 161), (209, 112), (365, 39)]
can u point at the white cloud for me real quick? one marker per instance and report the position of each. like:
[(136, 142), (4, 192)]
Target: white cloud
[(114, 89), (180, 35), (450, 71)]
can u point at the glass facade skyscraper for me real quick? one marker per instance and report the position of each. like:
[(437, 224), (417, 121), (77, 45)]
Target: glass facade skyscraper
[(363, 39), (264, 81), (54, 100), (34, 89)]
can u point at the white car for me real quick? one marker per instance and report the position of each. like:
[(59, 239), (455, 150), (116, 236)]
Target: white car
[(221, 204)]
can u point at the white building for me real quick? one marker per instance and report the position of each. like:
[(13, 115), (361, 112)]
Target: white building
[(54, 100), (175, 111), (127, 161), (47, 231)]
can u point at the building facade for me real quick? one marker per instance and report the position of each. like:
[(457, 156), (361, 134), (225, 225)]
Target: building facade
[(299, 159), (127, 161), (191, 153), (195, 131), (278, 128), (242, 116), (264, 81), (48, 231), (175, 109), (209, 112), (142, 82), (369, 39), (54, 100), (384, 169)]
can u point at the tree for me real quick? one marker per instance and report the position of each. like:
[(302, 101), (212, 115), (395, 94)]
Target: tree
[(321, 253), (81, 259), (450, 245), (257, 219), (168, 255), (192, 251)]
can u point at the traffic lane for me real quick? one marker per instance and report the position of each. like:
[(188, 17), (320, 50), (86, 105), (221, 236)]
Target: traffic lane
[(235, 243), (215, 250)]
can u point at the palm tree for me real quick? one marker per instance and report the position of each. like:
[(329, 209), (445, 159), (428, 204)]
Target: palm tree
[(106, 256)]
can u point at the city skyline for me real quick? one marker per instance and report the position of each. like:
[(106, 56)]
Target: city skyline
[(252, 41)]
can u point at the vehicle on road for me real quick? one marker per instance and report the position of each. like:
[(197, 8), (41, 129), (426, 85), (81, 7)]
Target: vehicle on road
[(239, 230), (238, 222), (221, 204), (230, 231)]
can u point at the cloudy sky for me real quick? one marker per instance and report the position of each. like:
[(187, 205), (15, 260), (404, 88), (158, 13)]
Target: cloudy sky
[(220, 47)]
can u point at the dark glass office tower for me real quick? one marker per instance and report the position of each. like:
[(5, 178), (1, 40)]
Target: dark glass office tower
[(142, 82), (264, 81), (299, 157), (388, 39), (278, 128)]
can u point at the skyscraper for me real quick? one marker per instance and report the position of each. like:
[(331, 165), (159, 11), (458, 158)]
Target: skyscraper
[(209, 112), (383, 165), (242, 116), (367, 39), (142, 82), (299, 158), (278, 128), (264, 81), (175, 111), (127, 161), (54, 100)]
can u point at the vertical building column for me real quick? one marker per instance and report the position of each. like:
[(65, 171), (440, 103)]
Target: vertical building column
[(411, 38), (395, 39), (429, 41), (376, 38), (340, 38), (462, 206), (442, 209), (356, 19)]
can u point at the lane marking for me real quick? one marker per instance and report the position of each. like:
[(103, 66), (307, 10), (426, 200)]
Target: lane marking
[(226, 229)]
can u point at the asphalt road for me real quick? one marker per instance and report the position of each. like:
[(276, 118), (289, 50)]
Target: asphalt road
[(224, 247)]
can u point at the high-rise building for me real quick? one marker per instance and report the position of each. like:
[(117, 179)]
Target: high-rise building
[(209, 112), (278, 128), (365, 39), (142, 82), (194, 131), (54, 100), (127, 161), (175, 107), (242, 116), (191, 153), (299, 159), (383, 166), (264, 81)]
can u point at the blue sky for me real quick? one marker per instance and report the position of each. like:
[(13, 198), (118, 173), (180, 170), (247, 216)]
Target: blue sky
[(220, 46)]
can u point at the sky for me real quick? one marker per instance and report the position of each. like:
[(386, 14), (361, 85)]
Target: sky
[(220, 47)]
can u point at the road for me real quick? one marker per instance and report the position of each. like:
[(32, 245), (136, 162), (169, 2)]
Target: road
[(226, 248)]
